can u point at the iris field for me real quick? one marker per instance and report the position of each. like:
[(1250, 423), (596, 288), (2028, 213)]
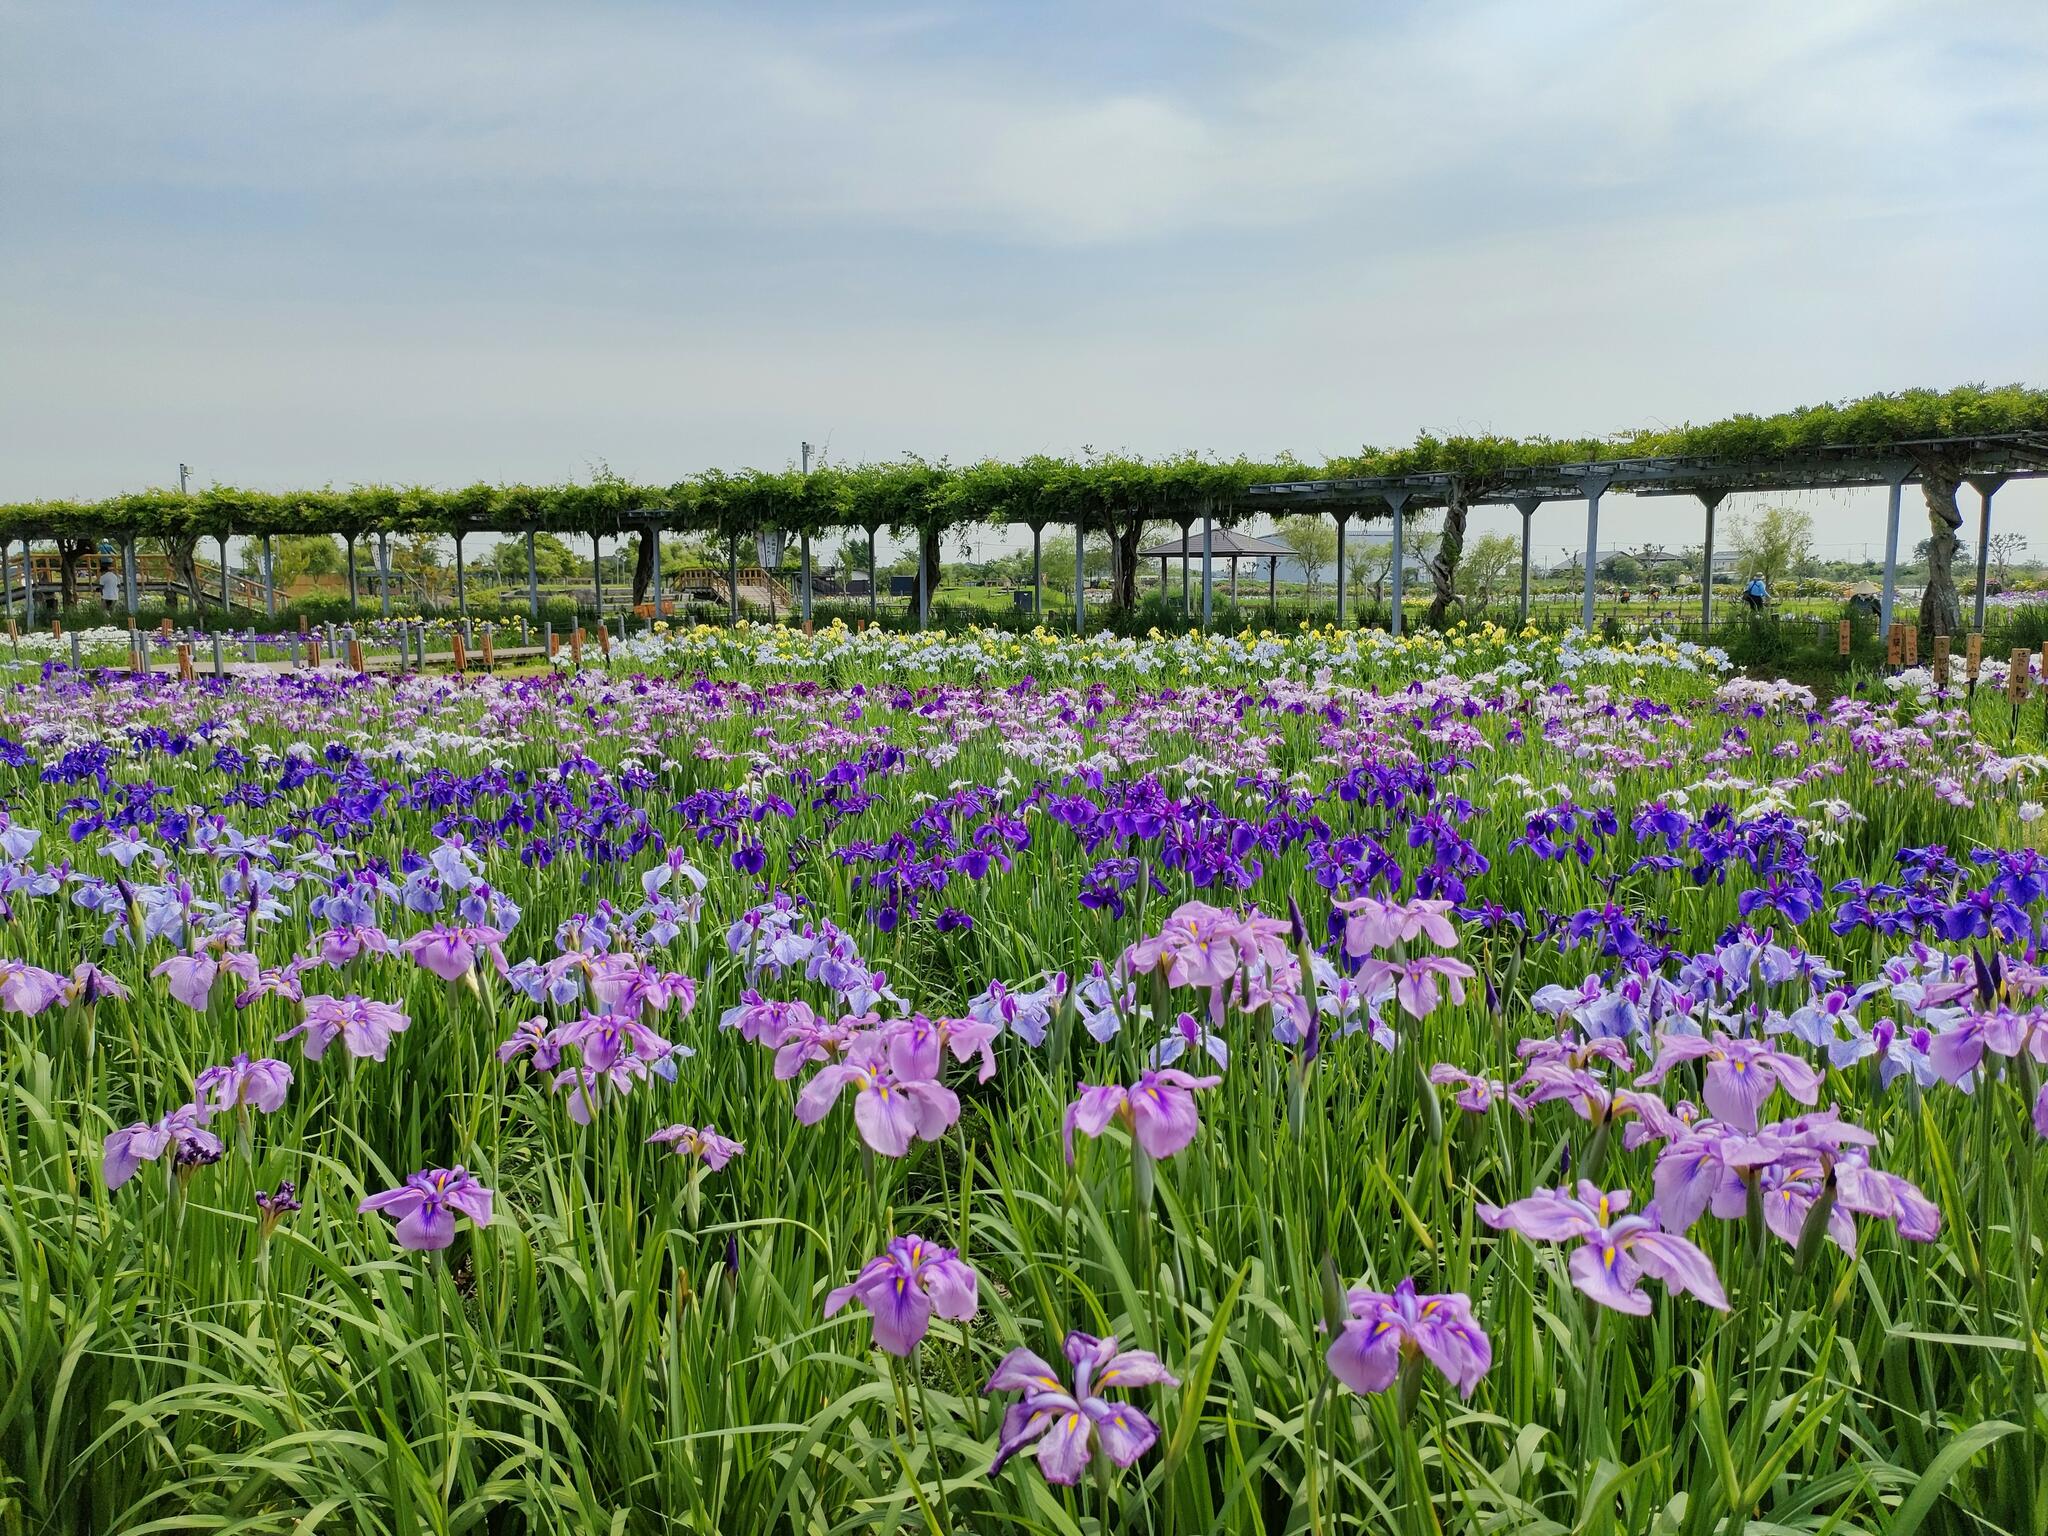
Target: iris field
[(1308, 1083)]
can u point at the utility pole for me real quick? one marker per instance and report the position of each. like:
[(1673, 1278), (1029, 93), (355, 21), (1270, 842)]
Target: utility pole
[(183, 471)]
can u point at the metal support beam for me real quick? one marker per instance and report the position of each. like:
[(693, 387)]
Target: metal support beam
[(1343, 524), (7, 576), (128, 577), (732, 575), (1711, 500), (597, 574), (1595, 489), (269, 579), (1986, 488), (383, 574), (1891, 557), (1526, 505), (1037, 573), (225, 596), (874, 597), (1187, 531), (803, 543), (1208, 568), (1080, 577), (1397, 502), (28, 584), (461, 591), (532, 578)]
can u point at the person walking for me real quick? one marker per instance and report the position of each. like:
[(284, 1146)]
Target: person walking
[(1755, 595), (110, 588)]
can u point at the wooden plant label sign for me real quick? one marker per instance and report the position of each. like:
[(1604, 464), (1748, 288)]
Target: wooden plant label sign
[(1912, 645), (2016, 678), (1844, 637), (490, 650), (1895, 646), (461, 652), (604, 640), (1973, 654), (185, 664)]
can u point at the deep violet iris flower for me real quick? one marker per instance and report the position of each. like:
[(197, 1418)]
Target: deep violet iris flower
[(1067, 1426), (427, 1204), (903, 1286), (1386, 1330)]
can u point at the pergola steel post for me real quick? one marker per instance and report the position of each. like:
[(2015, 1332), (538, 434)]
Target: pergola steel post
[(128, 576), (1187, 597), (1986, 486), (1891, 555), (1526, 505), (1037, 573), (597, 573), (225, 603), (1343, 522), (461, 591), (28, 583), (384, 574), (348, 544), (803, 544), (7, 577), (1595, 489), (1208, 567), (532, 578), (1711, 500), (269, 579), (1396, 502), (732, 576), (1080, 577), (874, 597)]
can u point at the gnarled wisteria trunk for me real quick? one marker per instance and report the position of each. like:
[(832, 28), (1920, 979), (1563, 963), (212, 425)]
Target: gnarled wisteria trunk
[(1129, 536), (1941, 612), (1450, 548), (643, 565)]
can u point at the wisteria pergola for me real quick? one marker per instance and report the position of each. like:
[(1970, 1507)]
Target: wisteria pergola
[(1939, 440), (1985, 462)]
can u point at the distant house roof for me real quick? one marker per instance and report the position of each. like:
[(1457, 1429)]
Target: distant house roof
[(1223, 543)]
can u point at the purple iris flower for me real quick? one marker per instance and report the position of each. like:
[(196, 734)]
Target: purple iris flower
[(1476, 1095), (1616, 1250), (190, 978), (1189, 1034), (449, 950), (1386, 1330), (182, 1133), (1741, 1074), (1371, 924), (427, 1204), (243, 1083), (273, 1206), (88, 986), (1959, 1050), (362, 1025), (903, 1286), (891, 1107), (1067, 1425), (706, 1146), (1159, 1109), (537, 1039), (28, 989)]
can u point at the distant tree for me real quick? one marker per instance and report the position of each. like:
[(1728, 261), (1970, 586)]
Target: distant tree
[(1313, 541), (2005, 548), (1776, 544), (302, 555), (551, 557), (1925, 547), (853, 552), (1621, 568), (1487, 567)]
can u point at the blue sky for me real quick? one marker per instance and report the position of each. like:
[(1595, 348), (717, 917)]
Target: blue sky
[(331, 243)]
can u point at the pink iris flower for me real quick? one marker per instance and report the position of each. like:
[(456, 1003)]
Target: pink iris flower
[(1616, 1250), (1159, 1109), (904, 1286)]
